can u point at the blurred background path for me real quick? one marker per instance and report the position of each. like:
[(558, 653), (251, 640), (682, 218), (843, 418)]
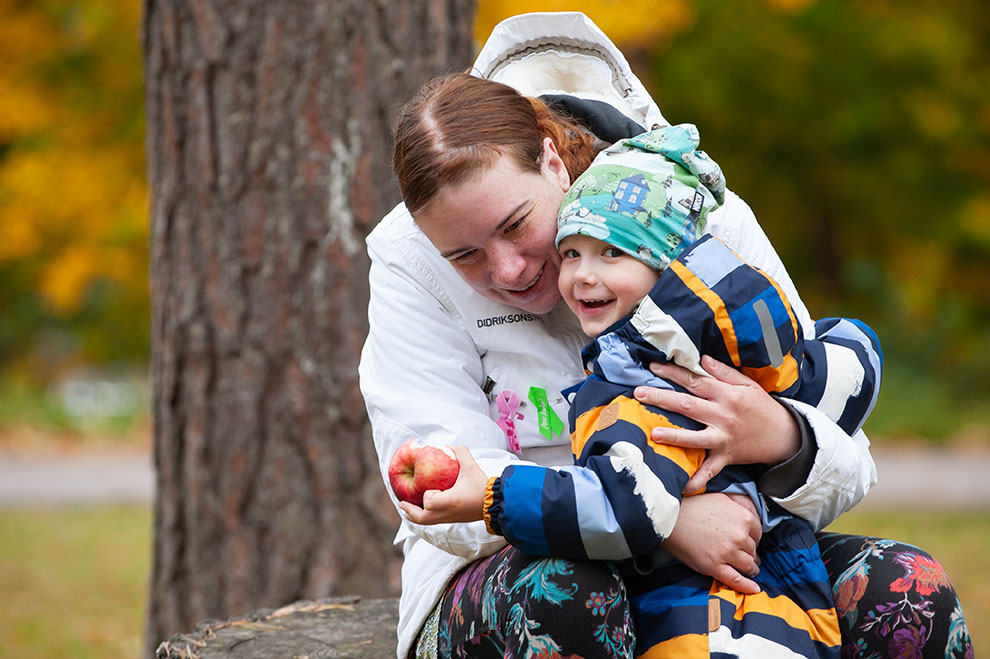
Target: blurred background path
[(915, 477)]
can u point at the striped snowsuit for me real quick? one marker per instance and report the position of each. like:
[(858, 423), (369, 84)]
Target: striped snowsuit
[(622, 496)]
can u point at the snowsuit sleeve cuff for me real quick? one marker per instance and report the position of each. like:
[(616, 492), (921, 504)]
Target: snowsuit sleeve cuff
[(493, 505), (782, 480)]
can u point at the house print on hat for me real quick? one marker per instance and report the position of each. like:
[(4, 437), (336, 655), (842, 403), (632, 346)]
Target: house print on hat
[(630, 195)]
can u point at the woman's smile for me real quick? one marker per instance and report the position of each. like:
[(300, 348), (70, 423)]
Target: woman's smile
[(497, 229)]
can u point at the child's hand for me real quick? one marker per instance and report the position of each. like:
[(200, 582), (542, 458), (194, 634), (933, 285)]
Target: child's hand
[(463, 502), (716, 535)]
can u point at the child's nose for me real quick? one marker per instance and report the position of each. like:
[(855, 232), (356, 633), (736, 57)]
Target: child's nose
[(585, 274)]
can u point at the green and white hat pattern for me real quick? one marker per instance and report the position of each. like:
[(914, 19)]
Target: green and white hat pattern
[(651, 208)]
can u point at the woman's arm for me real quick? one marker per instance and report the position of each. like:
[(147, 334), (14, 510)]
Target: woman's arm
[(737, 414)]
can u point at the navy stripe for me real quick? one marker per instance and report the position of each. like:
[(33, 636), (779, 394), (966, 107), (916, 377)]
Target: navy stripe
[(806, 596), (668, 613), (776, 629), (810, 386), (858, 406), (598, 393), (560, 521), (671, 574), (692, 313), (741, 288), (673, 476), (621, 486)]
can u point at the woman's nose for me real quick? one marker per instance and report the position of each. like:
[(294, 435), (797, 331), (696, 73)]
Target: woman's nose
[(508, 265)]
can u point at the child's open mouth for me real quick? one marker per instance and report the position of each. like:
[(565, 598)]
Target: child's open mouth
[(594, 304)]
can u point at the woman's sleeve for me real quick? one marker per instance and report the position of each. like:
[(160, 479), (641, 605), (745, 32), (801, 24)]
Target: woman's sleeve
[(843, 470), (619, 501), (420, 376)]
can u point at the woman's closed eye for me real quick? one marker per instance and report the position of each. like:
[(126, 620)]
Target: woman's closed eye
[(465, 258), (515, 226)]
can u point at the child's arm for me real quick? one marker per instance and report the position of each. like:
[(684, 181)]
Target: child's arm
[(620, 500)]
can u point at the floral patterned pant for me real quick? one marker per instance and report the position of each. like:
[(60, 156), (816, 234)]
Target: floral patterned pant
[(893, 600)]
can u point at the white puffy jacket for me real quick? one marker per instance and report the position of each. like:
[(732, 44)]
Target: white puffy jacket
[(438, 352)]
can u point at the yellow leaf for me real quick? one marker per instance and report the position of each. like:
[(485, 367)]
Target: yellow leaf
[(976, 219), (628, 23), (64, 279), (18, 237)]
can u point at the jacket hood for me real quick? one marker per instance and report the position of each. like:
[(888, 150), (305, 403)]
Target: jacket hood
[(564, 53)]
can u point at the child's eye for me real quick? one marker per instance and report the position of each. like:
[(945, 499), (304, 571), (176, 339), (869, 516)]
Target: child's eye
[(569, 254), (613, 252)]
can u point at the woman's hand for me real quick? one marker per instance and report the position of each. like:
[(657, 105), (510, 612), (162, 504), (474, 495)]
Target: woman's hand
[(743, 423), (463, 502), (716, 535)]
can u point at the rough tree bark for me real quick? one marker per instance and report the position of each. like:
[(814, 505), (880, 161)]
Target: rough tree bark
[(268, 157)]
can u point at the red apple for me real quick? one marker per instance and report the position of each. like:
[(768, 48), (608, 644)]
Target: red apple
[(416, 468)]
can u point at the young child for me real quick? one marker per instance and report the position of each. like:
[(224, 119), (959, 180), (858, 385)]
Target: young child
[(628, 235)]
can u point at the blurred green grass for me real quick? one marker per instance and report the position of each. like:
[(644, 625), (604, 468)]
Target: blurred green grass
[(105, 404), (74, 579)]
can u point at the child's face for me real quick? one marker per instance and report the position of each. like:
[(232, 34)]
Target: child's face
[(601, 283)]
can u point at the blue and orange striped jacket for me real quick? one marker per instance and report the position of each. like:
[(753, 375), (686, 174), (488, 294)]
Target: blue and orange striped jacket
[(622, 496)]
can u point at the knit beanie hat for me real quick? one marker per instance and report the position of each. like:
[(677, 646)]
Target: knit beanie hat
[(648, 196)]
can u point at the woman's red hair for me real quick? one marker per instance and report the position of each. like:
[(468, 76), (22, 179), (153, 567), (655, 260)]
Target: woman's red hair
[(459, 124)]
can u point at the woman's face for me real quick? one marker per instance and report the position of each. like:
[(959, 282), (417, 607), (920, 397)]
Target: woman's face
[(497, 229)]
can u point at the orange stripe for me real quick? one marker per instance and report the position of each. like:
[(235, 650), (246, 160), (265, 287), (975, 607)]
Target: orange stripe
[(489, 498), (714, 302), (789, 369), (688, 645), (768, 377), (632, 411), (774, 379), (821, 624)]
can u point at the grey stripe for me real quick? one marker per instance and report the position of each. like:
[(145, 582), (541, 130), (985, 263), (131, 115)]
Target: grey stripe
[(770, 338)]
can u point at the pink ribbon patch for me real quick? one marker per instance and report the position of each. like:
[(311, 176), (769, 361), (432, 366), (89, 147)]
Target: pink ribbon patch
[(507, 403)]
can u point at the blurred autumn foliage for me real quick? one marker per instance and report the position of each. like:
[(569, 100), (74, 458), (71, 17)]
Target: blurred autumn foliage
[(73, 193), (858, 132)]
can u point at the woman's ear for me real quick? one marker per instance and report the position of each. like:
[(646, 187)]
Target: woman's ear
[(553, 164)]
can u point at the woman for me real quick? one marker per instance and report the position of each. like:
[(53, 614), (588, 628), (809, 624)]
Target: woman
[(469, 345)]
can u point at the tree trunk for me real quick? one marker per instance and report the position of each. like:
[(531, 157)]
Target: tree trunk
[(269, 156)]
